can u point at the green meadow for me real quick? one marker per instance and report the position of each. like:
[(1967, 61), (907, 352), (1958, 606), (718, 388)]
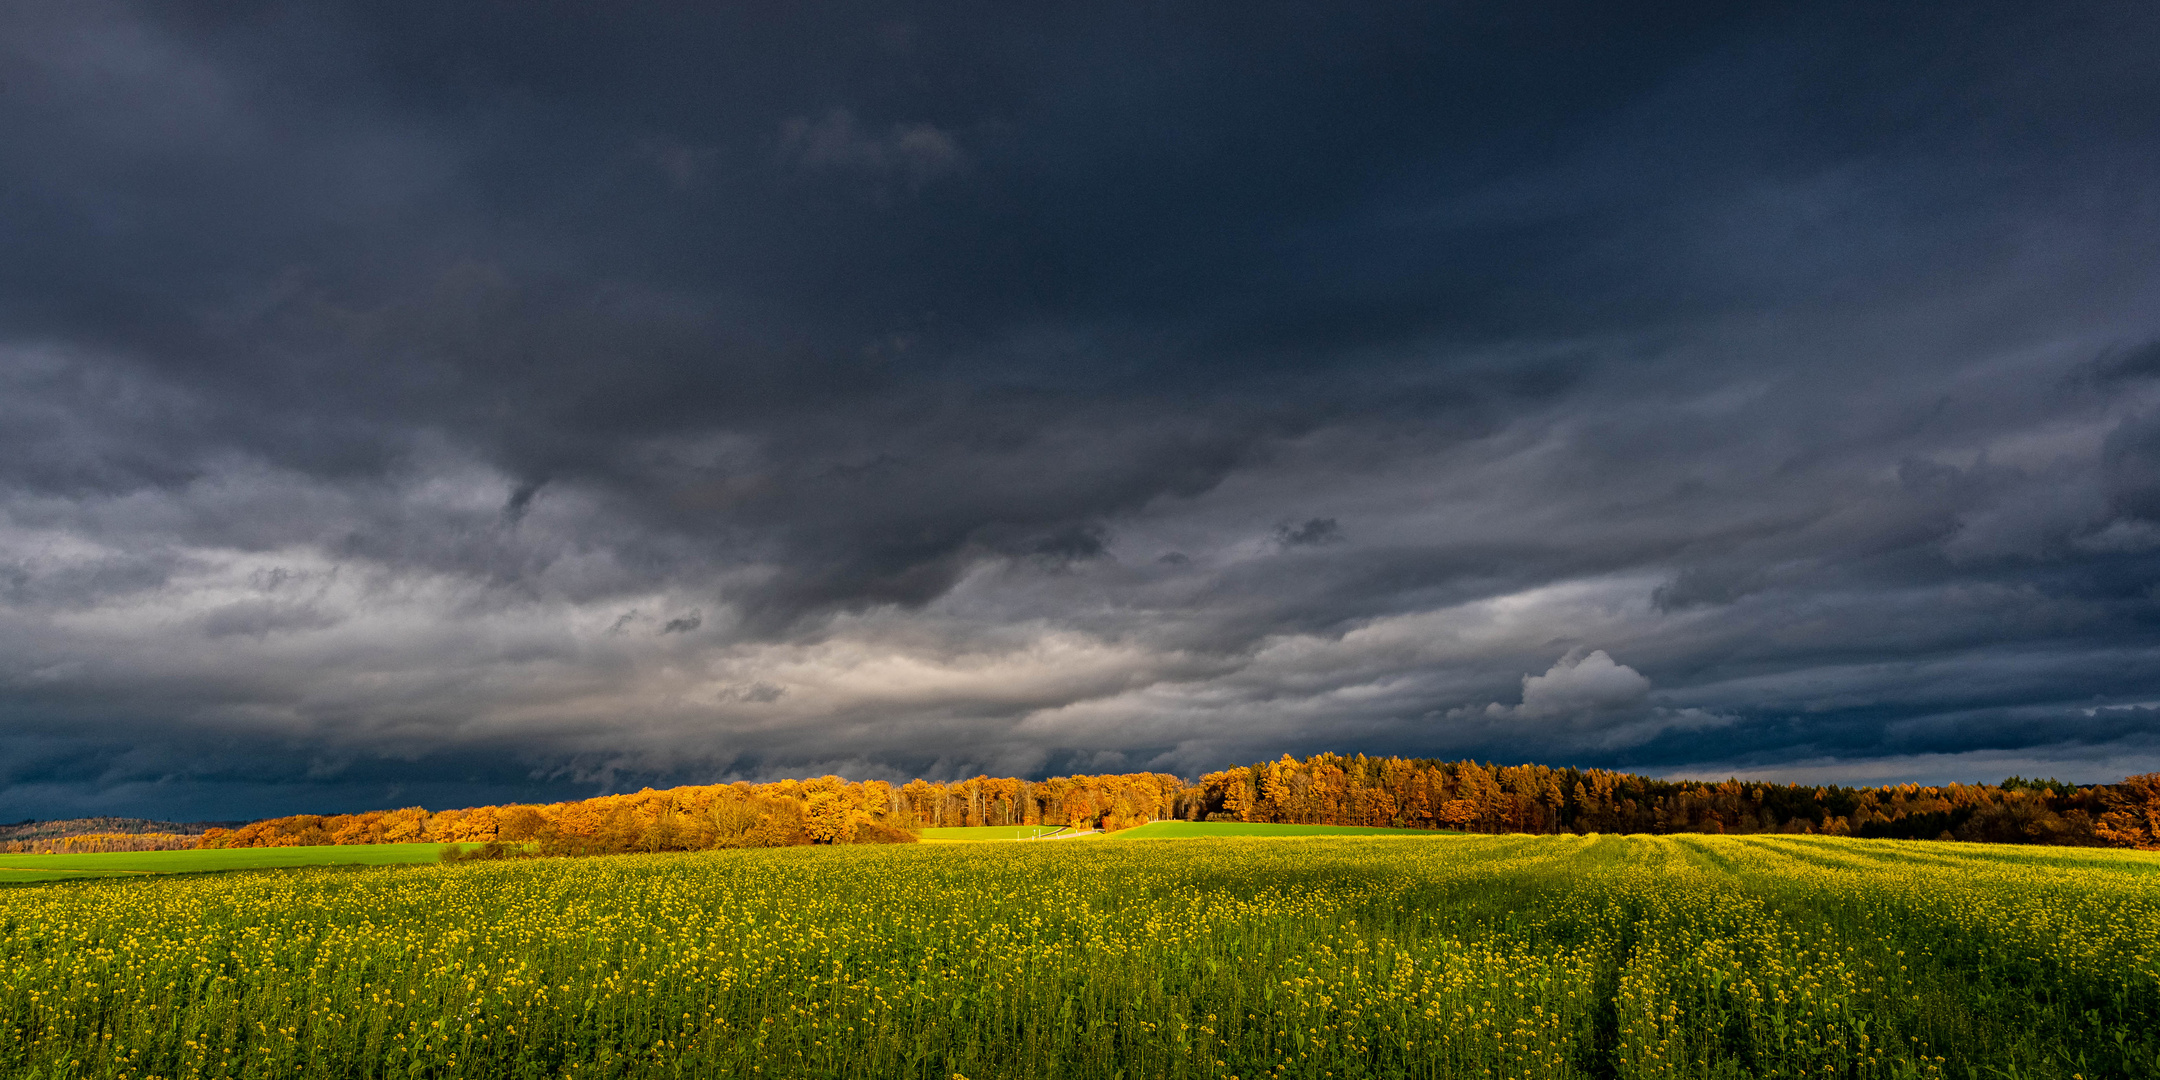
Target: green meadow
[(1317, 958), (1163, 830), (1188, 830), (993, 832), (23, 869)]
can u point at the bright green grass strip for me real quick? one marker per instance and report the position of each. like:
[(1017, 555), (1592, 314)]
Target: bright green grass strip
[(28, 868), (1183, 830), (991, 832), (10, 876)]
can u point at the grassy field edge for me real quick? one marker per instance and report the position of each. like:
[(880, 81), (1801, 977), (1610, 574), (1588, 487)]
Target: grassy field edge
[(32, 869)]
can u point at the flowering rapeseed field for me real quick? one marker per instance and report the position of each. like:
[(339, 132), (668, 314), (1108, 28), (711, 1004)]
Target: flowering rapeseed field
[(1519, 956)]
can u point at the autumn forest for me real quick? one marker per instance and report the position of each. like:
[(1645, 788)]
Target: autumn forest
[(1327, 789)]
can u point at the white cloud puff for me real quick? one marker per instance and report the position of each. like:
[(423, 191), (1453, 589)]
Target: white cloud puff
[(1590, 699), (1575, 685)]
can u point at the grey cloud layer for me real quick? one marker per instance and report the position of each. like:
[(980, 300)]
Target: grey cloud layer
[(400, 405)]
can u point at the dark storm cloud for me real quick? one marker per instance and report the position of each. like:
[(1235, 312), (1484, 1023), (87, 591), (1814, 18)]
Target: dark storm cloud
[(1314, 531), (400, 400)]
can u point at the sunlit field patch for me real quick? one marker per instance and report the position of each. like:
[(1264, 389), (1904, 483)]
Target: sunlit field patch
[(997, 832), (1187, 830), (1465, 956), (32, 868)]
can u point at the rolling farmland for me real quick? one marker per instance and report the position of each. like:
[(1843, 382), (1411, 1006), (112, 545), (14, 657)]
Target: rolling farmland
[(1422, 956)]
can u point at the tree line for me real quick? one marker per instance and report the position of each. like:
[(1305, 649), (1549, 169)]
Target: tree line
[(81, 836), (1470, 796), (99, 843), (1325, 789)]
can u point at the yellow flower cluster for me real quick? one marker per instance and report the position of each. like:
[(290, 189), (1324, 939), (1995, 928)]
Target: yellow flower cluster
[(1503, 957)]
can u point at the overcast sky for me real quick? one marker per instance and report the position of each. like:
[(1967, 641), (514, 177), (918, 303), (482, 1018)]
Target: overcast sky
[(449, 403)]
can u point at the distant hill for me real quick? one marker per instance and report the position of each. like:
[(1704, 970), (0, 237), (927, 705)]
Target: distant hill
[(95, 826)]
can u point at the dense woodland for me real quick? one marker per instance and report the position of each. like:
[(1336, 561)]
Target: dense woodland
[(1465, 795), (85, 835), (1326, 789), (825, 810), (94, 843)]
